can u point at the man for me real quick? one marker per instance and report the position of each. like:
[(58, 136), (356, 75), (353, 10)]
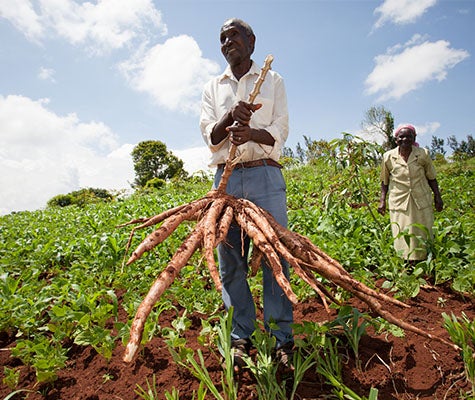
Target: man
[(259, 134)]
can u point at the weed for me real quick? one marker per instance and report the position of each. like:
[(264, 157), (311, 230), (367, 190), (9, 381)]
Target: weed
[(11, 377), (353, 324), (462, 333), (151, 393), (329, 366)]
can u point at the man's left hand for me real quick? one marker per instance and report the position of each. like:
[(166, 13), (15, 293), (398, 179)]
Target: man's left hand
[(240, 134)]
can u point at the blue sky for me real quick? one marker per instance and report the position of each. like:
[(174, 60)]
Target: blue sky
[(82, 82)]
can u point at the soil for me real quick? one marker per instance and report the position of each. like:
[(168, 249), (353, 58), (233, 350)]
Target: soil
[(406, 368)]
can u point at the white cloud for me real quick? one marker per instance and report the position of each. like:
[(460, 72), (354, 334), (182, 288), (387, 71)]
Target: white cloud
[(195, 159), (105, 25), (371, 134), (46, 74), (428, 128), (172, 73), (401, 11), (43, 154), (23, 17), (398, 73)]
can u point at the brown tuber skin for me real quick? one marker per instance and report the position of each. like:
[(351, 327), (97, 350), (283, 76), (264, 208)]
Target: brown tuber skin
[(272, 241)]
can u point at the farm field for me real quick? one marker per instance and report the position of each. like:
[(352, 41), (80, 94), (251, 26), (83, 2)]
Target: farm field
[(67, 300)]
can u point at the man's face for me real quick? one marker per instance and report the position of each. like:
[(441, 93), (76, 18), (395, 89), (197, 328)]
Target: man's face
[(236, 45)]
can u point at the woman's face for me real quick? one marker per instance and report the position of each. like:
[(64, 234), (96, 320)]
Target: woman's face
[(405, 138)]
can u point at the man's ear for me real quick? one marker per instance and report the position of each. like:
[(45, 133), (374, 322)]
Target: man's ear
[(252, 42)]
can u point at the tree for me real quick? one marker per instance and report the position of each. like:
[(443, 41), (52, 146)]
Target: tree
[(317, 149), (380, 121), (153, 160), (314, 149), (287, 152), (436, 147), (464, 149)]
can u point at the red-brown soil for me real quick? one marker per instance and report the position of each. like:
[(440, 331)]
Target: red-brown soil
[(400, 368)]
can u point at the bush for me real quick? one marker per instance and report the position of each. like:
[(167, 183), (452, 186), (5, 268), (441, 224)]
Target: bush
[(61, 200), (80, 198), (155, 183)]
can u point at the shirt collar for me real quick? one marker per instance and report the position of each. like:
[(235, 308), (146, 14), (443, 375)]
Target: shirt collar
[(414, 153), (228, 74)]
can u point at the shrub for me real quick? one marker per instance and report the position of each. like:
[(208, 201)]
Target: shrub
[(155, 183), (80, 197)]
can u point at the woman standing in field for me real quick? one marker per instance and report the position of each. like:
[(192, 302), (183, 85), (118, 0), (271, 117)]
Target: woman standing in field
[(409, 176)]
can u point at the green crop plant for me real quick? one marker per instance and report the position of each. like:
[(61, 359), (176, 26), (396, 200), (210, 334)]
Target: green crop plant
[(264, 369), (61, 273), (462, 332), (11, 377), (173, 395), (185, 357), (45, 356), (329, 366), (151, 393), (353, 325), (310, 335), (223, 341)]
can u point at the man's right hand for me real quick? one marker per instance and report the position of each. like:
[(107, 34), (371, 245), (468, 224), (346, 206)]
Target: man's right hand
[(242, 112)]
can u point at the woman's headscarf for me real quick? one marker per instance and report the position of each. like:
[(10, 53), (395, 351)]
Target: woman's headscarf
[(404, 126)]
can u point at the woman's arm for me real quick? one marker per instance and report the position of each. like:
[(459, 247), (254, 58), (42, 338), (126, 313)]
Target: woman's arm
[(382, 198), (439, 205)]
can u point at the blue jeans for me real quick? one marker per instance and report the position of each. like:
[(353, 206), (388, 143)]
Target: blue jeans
[(265, 187)]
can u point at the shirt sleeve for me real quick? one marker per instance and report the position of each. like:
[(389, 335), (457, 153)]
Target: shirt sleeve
[(208, 118), (279, 128), (384, 170), (429, 166)]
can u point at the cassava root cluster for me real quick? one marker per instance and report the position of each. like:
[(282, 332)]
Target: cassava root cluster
[(272, 242)]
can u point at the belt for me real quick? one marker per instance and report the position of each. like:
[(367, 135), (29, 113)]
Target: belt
[(256, 163)]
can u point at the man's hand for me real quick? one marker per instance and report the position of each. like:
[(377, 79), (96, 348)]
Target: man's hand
[(241, 112), (240, 134)]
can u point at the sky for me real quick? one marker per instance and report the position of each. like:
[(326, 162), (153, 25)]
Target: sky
[(83, 82)]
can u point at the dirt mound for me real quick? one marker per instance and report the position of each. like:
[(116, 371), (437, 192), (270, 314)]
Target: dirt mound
[(400, 368)]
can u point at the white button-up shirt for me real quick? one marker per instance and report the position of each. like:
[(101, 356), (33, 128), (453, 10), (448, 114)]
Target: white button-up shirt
[(222, 92)]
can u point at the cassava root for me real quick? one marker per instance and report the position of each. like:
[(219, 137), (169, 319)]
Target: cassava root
[(271, 243)]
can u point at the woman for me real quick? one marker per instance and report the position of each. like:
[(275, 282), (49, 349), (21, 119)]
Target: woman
[(409, 176)]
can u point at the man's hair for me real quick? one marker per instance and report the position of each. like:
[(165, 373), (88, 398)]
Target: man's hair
[(237, 21)]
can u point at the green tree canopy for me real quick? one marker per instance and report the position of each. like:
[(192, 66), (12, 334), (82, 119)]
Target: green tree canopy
[(462, 150), (153, 160), (436, 147)]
